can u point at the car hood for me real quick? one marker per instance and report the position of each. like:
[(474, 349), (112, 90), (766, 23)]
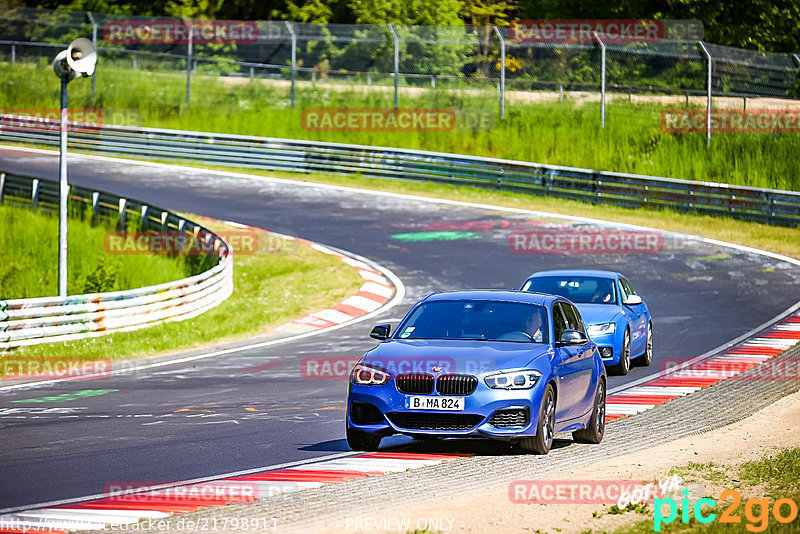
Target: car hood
[(400, 356), (598, 313)]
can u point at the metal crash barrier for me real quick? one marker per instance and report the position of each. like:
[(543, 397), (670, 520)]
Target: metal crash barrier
[(50, 319), (599, 187)]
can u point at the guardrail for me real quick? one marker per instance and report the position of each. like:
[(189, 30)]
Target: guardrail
[(598, 187), (50, 319)]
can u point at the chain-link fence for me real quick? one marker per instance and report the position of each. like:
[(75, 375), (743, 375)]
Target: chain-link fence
[(401, 60)]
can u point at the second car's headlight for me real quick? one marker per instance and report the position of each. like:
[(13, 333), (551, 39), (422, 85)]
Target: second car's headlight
[(364, 375), (513, 379), (601, 329)]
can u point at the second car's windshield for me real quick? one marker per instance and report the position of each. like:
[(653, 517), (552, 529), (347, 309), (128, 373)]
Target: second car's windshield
[(476, 319), (578, 289)]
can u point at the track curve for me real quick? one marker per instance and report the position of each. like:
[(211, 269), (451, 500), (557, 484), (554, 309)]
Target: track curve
[(220, 415)]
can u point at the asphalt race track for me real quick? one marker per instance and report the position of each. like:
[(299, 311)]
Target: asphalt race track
[(254, 408)]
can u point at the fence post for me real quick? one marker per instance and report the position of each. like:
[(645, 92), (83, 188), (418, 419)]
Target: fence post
[(188, 61), (710, 62), (123, 223), (134, 60), (94, 42), (35, 194), (294, 57), (95, 207), (602, 80), (13, 54), (502, 73), (396, 61)]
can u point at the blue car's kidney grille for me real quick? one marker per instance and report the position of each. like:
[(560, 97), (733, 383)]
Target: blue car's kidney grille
[(419, 383), (456, 384), (434, 421)]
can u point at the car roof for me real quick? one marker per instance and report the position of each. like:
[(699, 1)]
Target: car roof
[(505, 295), (577, 272)]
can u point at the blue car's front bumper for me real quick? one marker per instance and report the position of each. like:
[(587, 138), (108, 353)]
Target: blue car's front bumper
[(476, 420), (612, 346)]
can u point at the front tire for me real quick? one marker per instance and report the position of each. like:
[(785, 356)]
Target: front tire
[(593, 433), (545, 429), (362, 441), (624, 364)]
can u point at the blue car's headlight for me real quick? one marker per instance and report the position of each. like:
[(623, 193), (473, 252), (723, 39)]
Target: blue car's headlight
[(364, 375), (524, 379), (601, 329)]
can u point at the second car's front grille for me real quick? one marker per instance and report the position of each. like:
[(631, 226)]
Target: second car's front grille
[(434, 421), (456, 384), (419, 383), (510, 417)]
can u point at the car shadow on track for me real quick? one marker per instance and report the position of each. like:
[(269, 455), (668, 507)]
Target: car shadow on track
[(478, 447)]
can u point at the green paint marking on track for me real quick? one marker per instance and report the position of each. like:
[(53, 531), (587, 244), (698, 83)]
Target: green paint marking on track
[(435, 236), (66, 397), (714, 257)]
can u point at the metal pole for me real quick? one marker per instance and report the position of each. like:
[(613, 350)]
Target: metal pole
[(502, 73), (94, 42), (797, 59), (708, 98), (188, 62), (13, 54), (63, 193), (294, 56), (396, 61), (602, 80)]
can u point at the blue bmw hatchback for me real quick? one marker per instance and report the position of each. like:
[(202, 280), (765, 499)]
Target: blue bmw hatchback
[(506, 365), (617, 319)]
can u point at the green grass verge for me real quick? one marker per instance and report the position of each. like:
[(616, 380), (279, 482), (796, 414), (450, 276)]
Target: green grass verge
[(269, 290), (29, 241), (555, 133), (778, 475)]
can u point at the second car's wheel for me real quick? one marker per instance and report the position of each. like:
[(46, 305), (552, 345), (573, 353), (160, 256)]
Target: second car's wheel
[(624, 364), (362, 441), (594, 431), (647, 358), (545, 429)]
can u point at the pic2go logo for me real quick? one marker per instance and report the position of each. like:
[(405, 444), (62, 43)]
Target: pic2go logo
[(756, 511)]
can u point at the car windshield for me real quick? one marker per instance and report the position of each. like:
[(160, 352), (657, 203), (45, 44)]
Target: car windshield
[(485, 320), (578, 289)]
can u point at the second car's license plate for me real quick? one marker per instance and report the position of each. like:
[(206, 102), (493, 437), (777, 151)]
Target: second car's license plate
[(450, 404)]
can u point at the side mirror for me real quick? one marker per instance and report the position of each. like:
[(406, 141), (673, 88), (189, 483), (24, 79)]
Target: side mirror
[(572, 337), (381, 331), (632, 300)]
